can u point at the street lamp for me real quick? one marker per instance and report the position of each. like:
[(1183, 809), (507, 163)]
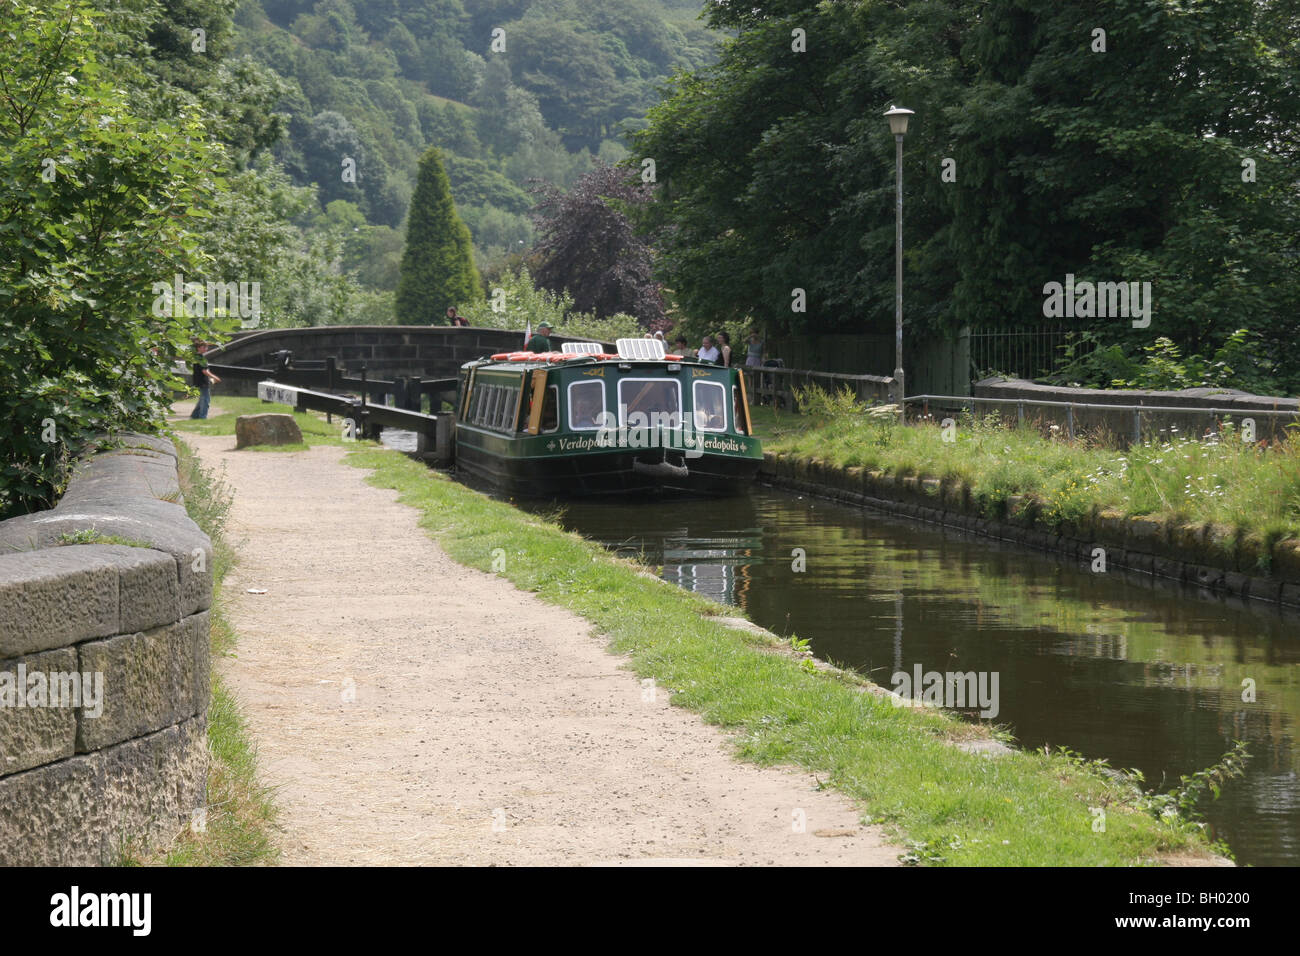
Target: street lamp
[(898, 118)]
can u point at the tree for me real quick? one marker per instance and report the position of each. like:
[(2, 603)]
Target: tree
[(589, 248), (438, 263), (1128, 164), (99, 204)]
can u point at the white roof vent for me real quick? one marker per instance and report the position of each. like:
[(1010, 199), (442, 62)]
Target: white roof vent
[(582, 348), (648, 350)]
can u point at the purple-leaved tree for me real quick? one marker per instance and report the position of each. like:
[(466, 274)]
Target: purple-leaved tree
[(587, 245)]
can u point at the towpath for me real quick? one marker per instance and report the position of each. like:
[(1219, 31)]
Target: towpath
[(409, 710)]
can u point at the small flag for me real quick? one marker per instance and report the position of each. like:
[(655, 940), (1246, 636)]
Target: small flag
[(528, 332)]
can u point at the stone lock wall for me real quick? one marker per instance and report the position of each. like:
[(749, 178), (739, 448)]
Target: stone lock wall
[(125, 769)]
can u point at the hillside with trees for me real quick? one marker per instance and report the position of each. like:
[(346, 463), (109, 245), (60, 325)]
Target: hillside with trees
[(509, 91)]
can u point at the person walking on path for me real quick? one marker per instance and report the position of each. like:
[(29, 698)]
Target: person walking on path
[(540, 341), (456, 318), (754, 349), (202, 379)]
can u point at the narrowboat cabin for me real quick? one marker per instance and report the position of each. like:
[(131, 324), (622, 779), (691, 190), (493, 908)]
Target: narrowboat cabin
[(585, 422)]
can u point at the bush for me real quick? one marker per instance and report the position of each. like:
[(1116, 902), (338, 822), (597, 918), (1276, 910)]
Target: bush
[(101, 202), (517, 304)]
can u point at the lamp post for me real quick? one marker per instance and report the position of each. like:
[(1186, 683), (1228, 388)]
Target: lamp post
[(898, 126)]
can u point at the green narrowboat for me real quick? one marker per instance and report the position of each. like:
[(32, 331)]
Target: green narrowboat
[(583, 421)]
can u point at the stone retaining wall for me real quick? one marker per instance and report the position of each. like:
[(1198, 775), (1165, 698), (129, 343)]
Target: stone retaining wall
[(125, 768), (1162, 413), (1210, 557)]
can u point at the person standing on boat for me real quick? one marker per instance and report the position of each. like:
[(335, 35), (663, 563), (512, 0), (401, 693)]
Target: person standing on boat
[(540, 342), (724, 341), (681, 348), (708, 352)]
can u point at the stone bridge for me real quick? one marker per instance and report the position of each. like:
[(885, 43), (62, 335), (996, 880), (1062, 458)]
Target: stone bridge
[(386, 351)]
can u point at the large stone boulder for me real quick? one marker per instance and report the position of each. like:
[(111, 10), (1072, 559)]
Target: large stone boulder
[(268, 429)]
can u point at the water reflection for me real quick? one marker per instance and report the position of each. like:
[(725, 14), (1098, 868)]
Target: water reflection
[(1150, 678)]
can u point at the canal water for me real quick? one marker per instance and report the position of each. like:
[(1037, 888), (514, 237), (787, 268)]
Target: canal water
[(1147, 676)]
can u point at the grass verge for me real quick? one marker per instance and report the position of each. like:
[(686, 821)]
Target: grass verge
[(240, 812), (1249, 490)]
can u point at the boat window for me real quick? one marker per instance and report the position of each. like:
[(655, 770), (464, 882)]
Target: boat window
[(738, 402), (586, 403), (481, 404), (490, 405), (710, 406), (550, 409), (505, 414), (650, 402)]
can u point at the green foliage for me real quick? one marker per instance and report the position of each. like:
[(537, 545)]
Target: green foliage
[(438, 264), (80, 350), (777, 169), (515, 303), (1183, 802), (381, 81), (1240, 362)]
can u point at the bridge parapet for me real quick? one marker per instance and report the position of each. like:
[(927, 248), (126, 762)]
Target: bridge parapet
[(387, 351)]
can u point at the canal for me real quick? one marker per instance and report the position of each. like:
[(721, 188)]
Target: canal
[(1147, 677)]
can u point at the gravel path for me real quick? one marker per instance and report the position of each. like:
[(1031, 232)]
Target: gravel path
[(410, 710)]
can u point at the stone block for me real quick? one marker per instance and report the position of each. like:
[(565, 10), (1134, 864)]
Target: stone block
[(46, 732), (267, 429), (55, 597), (148, 684), (1286, 560), (159, 525), (1251, 554), (1220, 544), (1237, 583), (1188, 541), (111, 444), (122, 475), (1145, 534), (139, 794)]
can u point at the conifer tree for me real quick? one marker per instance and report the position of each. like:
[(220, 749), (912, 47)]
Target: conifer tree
[(438, 262)]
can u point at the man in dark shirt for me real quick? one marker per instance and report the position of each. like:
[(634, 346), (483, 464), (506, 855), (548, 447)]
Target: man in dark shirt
[(201, 379), (540, 342)]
